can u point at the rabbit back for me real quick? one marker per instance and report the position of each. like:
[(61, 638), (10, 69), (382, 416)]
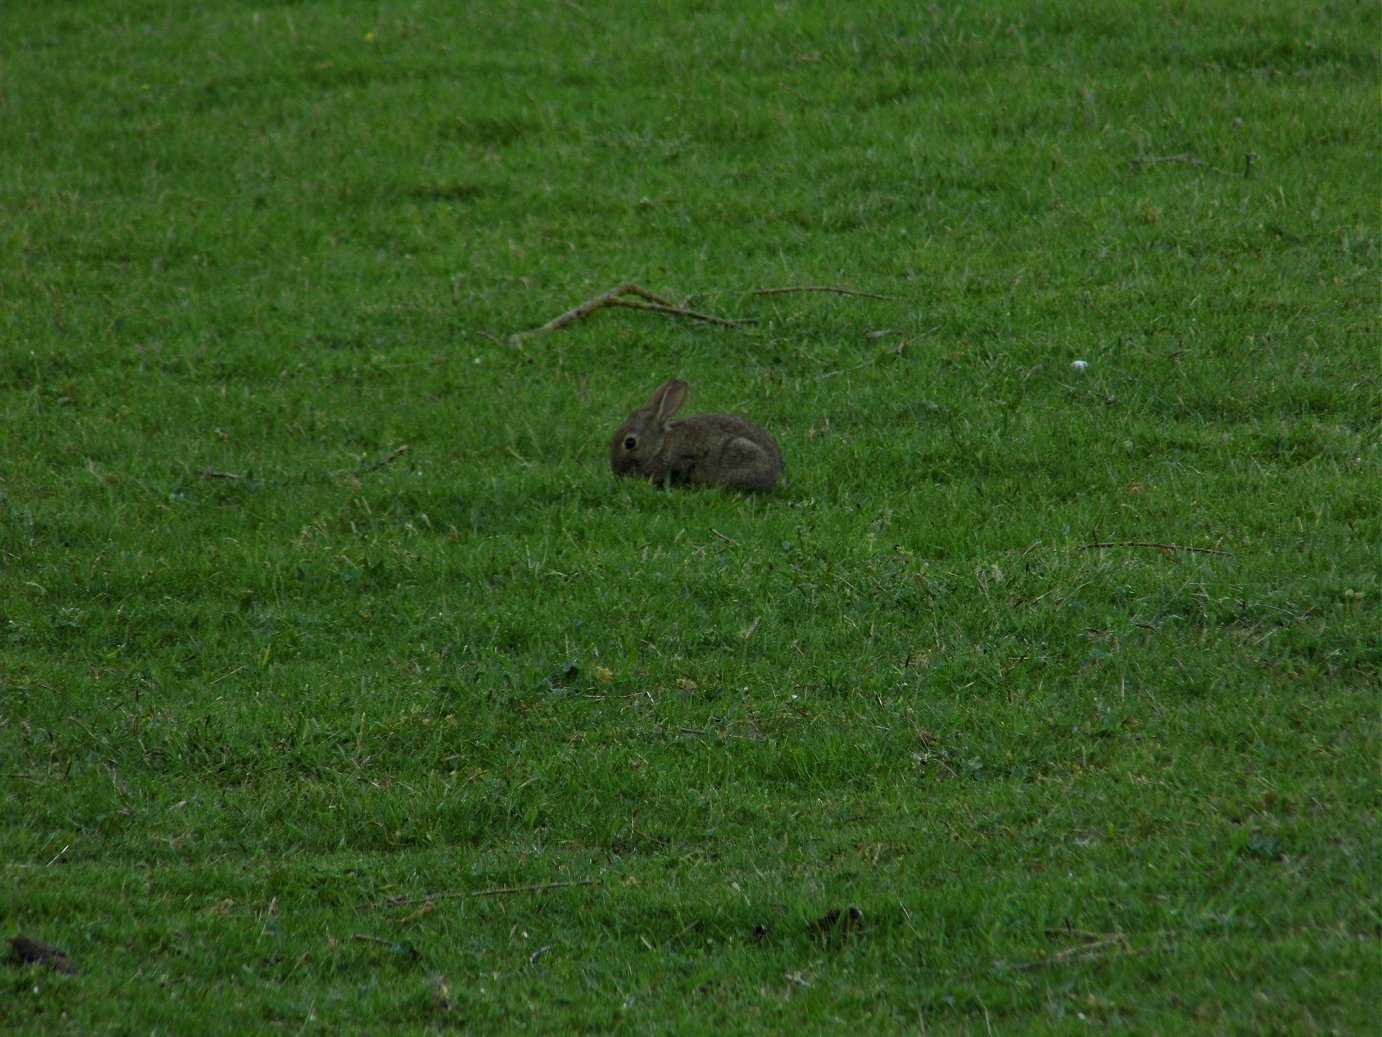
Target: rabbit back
[(722, 450)]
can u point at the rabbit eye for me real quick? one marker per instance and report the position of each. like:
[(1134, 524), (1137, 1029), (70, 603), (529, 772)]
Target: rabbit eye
[(630, 443)]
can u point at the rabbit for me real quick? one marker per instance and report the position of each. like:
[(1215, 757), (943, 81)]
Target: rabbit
[(713, 449)]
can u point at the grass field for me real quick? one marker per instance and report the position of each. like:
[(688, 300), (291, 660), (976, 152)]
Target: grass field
[(343, 690)]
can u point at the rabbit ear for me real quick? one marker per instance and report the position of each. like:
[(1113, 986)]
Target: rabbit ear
[(669, 397)]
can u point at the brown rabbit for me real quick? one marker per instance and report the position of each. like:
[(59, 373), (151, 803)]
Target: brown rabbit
[(717, 449)]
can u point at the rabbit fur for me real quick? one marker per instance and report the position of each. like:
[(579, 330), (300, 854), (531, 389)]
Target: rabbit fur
[(711, 449)]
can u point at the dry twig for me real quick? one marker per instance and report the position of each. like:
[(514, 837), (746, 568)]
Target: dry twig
[(540, 887), (598, 302), (1190, 160), (677, 311), (821, 288), (1159, 547), (393, 456), (1094, 947), (618, 296), (1091, 951), (362, 938), (533, 958)]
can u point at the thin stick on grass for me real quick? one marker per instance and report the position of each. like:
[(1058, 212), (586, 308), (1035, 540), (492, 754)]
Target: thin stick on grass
[(392, 456), (362, 938), (1096, 946), (1091, 935), (832, 289), (1149, 544), (678, 311), (618, 296), (496, 891), (533, 958), (540, 887), (1082, 952), (591, 305)]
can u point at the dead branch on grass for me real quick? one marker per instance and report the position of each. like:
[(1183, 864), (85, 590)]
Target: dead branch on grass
[(362, 938), (538, 887), (599, 302), (832, 289), (1094, 947), (677, 311), (1089, 934), (1092, 951), (393, 456), (1249, 157), (618, 296)]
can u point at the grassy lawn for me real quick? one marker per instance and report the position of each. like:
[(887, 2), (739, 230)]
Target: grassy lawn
[(344, 690)]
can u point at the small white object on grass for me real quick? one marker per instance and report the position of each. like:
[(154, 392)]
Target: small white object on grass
[(1078, 365)]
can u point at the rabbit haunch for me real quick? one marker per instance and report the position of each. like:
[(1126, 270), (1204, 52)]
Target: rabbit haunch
[(714, 449)]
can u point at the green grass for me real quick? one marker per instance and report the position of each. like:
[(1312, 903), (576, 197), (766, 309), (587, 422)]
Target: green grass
[(480, 739)]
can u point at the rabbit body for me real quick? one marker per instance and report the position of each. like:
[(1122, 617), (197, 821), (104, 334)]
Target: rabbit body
[(712, 449)]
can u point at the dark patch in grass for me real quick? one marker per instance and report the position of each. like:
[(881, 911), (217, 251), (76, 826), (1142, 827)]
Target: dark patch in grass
[(487, 130)]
